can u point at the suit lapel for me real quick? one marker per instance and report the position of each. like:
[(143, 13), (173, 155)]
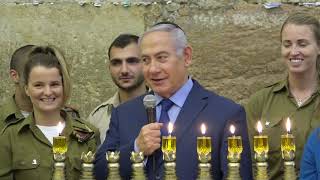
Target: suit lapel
[(194, 104)]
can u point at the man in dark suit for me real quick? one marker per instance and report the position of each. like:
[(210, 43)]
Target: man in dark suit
[(167, 56)]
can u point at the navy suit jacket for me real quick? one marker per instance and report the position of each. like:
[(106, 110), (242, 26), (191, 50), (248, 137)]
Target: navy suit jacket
[(201, 106)]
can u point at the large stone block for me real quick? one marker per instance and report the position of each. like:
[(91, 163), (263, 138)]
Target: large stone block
[(236, 44), (83, 33)]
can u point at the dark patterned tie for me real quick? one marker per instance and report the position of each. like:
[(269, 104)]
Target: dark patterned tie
[(166, 104)]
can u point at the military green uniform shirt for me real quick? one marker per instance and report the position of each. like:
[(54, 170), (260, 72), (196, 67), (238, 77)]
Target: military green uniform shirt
[(26, 154), (9, 112), (272, 106)]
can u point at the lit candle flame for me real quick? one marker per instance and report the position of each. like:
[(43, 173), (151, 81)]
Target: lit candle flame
[(259, 127), (203, 129), (232, 129), (288, 125), (60, 127), (170, 128)]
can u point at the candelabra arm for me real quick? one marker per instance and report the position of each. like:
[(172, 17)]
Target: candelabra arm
[(262, 171), (59, 166), (233, 171), (137, 166), (289, 171), (87, 166), (170, 171), (204, 171), (113, 165)]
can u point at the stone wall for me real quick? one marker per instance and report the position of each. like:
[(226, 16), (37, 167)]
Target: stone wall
[(201, 3), (235, 43)]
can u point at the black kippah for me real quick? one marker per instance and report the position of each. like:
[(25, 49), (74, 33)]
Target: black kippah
[(170, 23)]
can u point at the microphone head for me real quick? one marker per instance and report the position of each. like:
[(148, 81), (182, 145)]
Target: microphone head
[(149, 101)]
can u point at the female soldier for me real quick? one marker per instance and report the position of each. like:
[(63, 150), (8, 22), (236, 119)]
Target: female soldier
[(26, 146), (296, 97)]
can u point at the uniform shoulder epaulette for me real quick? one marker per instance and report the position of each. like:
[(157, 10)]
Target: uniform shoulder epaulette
[(82, 131), (72, 110), (10, 122), (272, 84), (13, 120), (104, 104)]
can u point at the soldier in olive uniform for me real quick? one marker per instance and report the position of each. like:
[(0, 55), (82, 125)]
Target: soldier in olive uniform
[(26, 145), (296, 97), (19, 105), (125, 68)]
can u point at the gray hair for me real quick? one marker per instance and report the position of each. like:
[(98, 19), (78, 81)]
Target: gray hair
[(177, 34)]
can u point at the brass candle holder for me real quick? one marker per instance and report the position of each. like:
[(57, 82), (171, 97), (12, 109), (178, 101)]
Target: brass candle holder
[(59, 148), (204, 155), (288, 149), (113, 165), (137, 165), (261, 149), (234, 155), (87, 166), (168, 147)]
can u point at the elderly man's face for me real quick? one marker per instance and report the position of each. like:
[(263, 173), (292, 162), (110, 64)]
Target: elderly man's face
[(164, 71)]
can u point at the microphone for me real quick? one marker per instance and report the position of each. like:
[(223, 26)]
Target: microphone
[(149, 102)]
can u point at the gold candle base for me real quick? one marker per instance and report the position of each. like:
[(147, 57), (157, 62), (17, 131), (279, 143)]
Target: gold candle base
[(113, 165), (233, 171), (262, 171), (170, 171), (234, 166), (261, 165), (87, 166), (204, 158), (137, 166), (204, 171), (169, 165), (59, 167), (289, 171), (58, 172)]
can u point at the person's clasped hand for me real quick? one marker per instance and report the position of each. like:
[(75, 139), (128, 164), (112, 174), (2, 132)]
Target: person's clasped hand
[(149, 138)]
